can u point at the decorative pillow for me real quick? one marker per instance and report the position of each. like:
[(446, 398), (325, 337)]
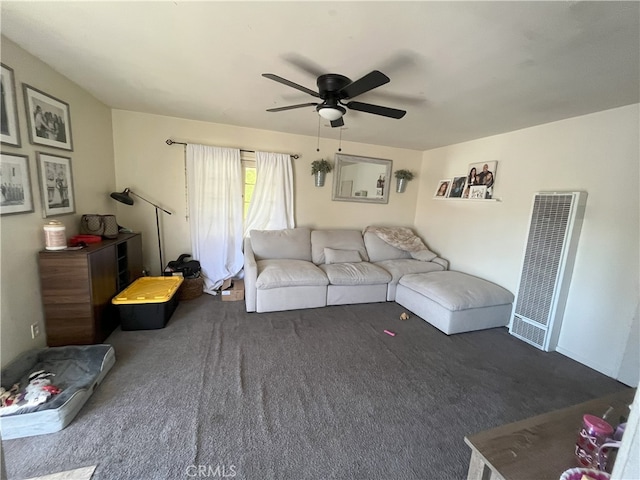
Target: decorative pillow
[(331, 255)]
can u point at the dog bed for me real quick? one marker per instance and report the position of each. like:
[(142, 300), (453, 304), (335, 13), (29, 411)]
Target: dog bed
[(78, 370)]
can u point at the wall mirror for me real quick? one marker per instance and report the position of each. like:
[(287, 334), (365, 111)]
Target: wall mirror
[(361, 179)]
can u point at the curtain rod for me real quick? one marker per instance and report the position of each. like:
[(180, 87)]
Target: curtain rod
[(171, 142)]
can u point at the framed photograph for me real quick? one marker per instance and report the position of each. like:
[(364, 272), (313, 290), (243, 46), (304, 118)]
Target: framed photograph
[(482, 173), (9, 130), (457, 187), (48, 118), (56, 184), (443, 188), (15, 184), (477, 192)]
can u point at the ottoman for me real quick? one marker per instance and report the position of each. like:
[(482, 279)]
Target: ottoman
[(455, 302)]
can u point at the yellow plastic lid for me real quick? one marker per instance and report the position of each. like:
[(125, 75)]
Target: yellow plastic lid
[(149, 290)]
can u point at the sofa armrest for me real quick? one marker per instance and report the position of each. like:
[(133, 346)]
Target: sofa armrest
[(250, 276), (441, 261)]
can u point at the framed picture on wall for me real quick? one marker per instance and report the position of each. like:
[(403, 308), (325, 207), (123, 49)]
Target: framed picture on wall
[(15, 184), (9, 130), (48, 118), (457, 187), (482, 173), (443, 188), (56, 184)]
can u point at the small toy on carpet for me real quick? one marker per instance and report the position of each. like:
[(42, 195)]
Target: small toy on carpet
[(404, 316)]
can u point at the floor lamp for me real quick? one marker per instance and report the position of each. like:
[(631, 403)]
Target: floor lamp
[(124, 197)]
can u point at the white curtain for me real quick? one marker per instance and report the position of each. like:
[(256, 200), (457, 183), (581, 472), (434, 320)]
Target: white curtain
[(271, 206), (214, 185)]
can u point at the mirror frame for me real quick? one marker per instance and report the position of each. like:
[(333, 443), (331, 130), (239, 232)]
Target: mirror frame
[(344, 160)]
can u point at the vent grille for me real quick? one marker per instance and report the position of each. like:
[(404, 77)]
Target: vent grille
[(547, 232), (528, 331)]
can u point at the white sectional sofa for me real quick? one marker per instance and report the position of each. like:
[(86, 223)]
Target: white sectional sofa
[(303, 268)]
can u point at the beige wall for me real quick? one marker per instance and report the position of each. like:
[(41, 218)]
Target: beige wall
[(598, 153), (146, 164), (21, 236)]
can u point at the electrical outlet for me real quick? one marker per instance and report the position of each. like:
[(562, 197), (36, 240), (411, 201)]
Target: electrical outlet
[(35, 330)]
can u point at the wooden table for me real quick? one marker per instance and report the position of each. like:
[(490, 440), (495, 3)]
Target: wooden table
[(538, 448)]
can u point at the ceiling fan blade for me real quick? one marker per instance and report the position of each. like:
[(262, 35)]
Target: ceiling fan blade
[(291, 107), (289, 83), (337, 123), (362, 85), (376, 109)]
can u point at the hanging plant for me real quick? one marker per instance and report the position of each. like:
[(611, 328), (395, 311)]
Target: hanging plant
[(404, 174), (320, 166), (402, 177)]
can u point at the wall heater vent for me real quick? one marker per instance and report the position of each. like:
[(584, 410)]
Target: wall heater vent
[(550, 249)]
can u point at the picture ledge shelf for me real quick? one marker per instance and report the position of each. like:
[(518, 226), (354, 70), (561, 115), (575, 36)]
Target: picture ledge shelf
[(470, 199)]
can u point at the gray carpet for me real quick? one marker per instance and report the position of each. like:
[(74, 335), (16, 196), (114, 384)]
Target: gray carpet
[(309, 394)]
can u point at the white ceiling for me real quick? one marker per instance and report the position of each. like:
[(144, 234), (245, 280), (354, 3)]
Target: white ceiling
[(462, 70)]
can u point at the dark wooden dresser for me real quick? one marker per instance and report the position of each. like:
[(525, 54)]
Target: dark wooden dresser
[(77, 287)]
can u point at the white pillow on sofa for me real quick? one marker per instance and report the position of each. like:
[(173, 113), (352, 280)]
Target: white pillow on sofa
[(332, 255)]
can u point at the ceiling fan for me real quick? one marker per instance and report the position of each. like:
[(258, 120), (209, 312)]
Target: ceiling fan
[(333, 89)]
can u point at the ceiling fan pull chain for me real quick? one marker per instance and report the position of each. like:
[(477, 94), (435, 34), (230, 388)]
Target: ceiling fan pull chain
[(340, 144), (318, 145)]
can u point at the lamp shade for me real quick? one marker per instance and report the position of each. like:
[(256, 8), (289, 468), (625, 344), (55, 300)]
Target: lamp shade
[(331, 113), (123, 196)]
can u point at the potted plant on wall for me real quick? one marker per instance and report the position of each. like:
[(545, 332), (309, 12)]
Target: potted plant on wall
[(402, 177), (320, 168)]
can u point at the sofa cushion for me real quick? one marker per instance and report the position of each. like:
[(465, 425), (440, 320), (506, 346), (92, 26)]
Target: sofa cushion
[(336, 239), (362, 273), (278, 273), (403, 266), (292, 243), (332, 255), (379, 250), (456, 290)]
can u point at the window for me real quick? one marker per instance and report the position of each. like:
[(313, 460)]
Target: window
[(249, 177)]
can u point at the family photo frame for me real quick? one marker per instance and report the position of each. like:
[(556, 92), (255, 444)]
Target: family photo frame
[(56, 184), (15, 184), (9, 129), (477, 184), (48, 119), (481, 174)]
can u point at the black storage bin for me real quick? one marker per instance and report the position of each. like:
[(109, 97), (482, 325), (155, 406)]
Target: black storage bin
[(148, 303)]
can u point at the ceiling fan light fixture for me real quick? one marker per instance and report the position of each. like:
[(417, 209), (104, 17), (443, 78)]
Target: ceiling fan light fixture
[(331, 112)]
